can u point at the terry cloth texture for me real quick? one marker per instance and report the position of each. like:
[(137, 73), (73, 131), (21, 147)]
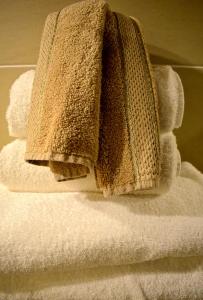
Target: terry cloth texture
[(170, 88), (168, 279), (19, 105), (20, 176), (94, 103), (118, 249), (169, 91)]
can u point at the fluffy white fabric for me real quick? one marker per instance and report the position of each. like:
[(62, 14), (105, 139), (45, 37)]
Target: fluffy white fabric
[(171, 97), (82, 246), (19, 106), (170, 94), (20, 176), (168, 279)]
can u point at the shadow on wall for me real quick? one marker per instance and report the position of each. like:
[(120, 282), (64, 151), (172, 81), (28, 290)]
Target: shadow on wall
[(190, 135)]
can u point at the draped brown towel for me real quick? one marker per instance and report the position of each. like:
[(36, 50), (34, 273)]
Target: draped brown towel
[(94, 104)]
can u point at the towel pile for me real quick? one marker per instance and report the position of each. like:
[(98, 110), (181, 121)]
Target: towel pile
[(80, 246), (94, 103), (63, 240), (20, 176)]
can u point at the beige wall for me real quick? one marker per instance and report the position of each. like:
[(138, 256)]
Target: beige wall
[(174, 34)]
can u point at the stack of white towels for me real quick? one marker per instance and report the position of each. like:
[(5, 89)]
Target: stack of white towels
[(63, 240), (39, 179)]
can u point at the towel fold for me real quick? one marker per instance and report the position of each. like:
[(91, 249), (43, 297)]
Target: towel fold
[(125, 230), (143, 244), (94, 102), (169, 89), (169, 279), (19, 105), (20, 176)]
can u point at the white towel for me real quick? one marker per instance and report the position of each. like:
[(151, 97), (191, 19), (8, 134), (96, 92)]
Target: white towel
[(80, 246), (170, 95), (168, 279), (19, 106), (20, 176)]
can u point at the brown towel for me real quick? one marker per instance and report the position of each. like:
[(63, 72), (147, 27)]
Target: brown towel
[(94, 103)]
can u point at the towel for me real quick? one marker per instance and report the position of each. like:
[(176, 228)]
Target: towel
[(19, 105), (94, 101), (123, 230), (20, 176), (169, 279), (169, 89), (127, 246)]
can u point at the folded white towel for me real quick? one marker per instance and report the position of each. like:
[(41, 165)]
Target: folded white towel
[(80, 246), (169, 279), (84, 230), (171, 97), (18, 175), (19, 106), (170, 94)]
